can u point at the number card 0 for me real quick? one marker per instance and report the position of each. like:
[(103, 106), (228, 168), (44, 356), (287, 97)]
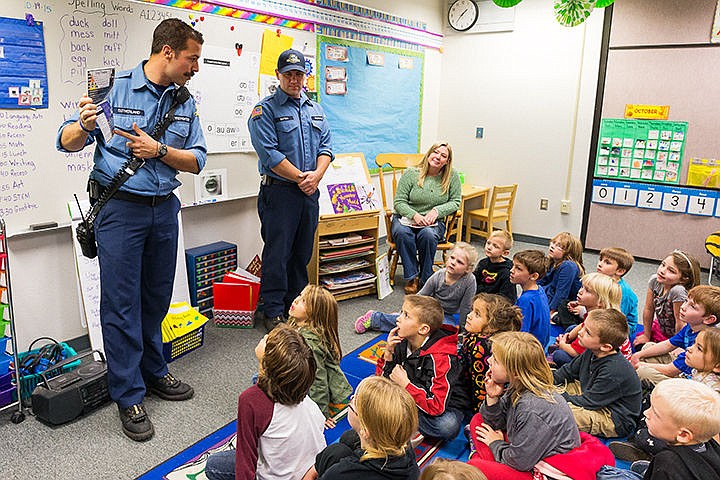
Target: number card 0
[(602, 193)]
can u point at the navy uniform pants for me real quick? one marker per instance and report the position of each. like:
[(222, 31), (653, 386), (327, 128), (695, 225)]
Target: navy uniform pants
[(288, 220), (137, 250)]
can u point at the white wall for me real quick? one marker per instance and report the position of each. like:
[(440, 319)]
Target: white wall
[(45, 296), (521, 87)]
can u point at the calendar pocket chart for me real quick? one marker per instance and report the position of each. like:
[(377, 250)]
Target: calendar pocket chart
[(641, 149), (692, 201)]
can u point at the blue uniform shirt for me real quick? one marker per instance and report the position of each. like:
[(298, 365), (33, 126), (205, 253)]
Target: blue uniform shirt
[(134, 99), (284, 127), (683, 339)]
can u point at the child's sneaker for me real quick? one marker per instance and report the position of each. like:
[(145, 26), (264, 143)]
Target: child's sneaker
[(628, 452), (362, 324), (417, 439)]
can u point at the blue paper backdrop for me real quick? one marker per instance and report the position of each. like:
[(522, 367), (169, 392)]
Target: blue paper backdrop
[(381, 112), (23, 59)]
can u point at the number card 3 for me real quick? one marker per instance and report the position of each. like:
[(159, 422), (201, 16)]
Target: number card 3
[(675, 201)]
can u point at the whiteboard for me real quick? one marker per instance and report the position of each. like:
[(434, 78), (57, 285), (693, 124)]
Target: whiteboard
[(37, 185)]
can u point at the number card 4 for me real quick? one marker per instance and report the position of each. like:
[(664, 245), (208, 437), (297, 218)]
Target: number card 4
[(701, 203)]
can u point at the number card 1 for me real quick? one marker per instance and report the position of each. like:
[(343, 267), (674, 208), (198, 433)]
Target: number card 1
[(625, 195), (701, 203), (675, 200)]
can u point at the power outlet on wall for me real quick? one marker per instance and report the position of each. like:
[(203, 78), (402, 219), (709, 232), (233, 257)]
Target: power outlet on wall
[(543, 204), (565, 206)]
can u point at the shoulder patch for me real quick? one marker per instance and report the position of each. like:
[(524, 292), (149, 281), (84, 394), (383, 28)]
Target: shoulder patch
[(257, 111)]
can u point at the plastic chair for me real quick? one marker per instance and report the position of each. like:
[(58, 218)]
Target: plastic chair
[(397, 163), (712, 245), (500, 209)]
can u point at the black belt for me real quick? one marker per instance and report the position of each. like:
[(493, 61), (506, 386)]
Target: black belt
[(149, 200), (268, 180)]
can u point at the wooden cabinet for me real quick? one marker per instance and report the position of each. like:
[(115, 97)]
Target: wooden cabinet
[(343, 261)]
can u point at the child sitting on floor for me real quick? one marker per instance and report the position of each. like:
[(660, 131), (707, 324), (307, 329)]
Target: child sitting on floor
[(421, 357), (528, 266), (616, 262), (383, 417), (700, 311), (315, 315), (601, 386), (667, 290), (492, 273), (704, 359), (686, 416), (562, 280), (446, 469), (597, 291), (453, 286), (279, 427), (524, 426), (491, 314)]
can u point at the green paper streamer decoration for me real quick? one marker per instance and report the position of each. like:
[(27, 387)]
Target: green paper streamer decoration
[(603, 3), (571, 13), (506, 3)]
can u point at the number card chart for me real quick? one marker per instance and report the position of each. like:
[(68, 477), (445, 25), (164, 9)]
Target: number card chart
[(692, 201), (641, 149)]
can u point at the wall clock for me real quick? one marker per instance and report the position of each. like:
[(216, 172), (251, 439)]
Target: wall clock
[(462, 15)]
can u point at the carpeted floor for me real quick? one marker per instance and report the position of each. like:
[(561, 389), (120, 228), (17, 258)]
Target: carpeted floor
[(189, 464)]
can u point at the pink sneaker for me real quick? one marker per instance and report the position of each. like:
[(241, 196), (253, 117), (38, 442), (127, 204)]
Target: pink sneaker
[(362, 324)]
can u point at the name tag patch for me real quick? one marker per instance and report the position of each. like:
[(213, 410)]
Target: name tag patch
[(317, 117), (128, 111), (283, 119), (181, 118)]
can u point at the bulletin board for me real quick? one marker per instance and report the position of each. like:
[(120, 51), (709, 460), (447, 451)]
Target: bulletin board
[(657, 54), (37, 181), (381, 86)]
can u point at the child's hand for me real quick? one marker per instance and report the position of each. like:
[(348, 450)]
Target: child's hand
[(393, 339), (640, 339), (487, 435), (311, 474), (575, 308), (399, 376), (635, 360), (329, 423), (562, 339), (492, 389)]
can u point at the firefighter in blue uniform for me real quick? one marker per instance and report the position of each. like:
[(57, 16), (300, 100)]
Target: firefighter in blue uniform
[(292, 139)]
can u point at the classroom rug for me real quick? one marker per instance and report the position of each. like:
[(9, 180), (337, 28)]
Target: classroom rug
[(189, 464)]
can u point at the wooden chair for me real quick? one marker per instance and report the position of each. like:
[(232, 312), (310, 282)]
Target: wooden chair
[(445, 245), (397, 162), (500, 209)]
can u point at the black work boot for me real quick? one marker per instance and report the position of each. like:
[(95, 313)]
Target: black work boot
[(135, 422), (169, 388)]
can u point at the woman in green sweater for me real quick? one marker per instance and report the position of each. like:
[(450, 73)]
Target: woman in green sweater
[(424, 197)]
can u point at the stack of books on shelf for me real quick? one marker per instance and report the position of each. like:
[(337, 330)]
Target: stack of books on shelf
[(347, 282)]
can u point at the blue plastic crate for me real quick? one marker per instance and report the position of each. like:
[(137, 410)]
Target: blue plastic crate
[(7, 396), (6, 380), (5, 360), (3, 343)]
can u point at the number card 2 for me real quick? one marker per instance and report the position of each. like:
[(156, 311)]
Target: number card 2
[(650, 199)]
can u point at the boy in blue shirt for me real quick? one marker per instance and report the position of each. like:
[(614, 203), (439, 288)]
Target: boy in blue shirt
[(701, 310), (528, 266), (615, 262)]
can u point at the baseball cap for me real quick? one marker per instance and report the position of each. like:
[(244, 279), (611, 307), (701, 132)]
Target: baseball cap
[(291, 60)]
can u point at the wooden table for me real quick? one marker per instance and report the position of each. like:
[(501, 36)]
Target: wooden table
[(469, 192)]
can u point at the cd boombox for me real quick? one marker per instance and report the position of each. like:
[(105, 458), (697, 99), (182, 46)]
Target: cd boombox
[(63, 398)]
